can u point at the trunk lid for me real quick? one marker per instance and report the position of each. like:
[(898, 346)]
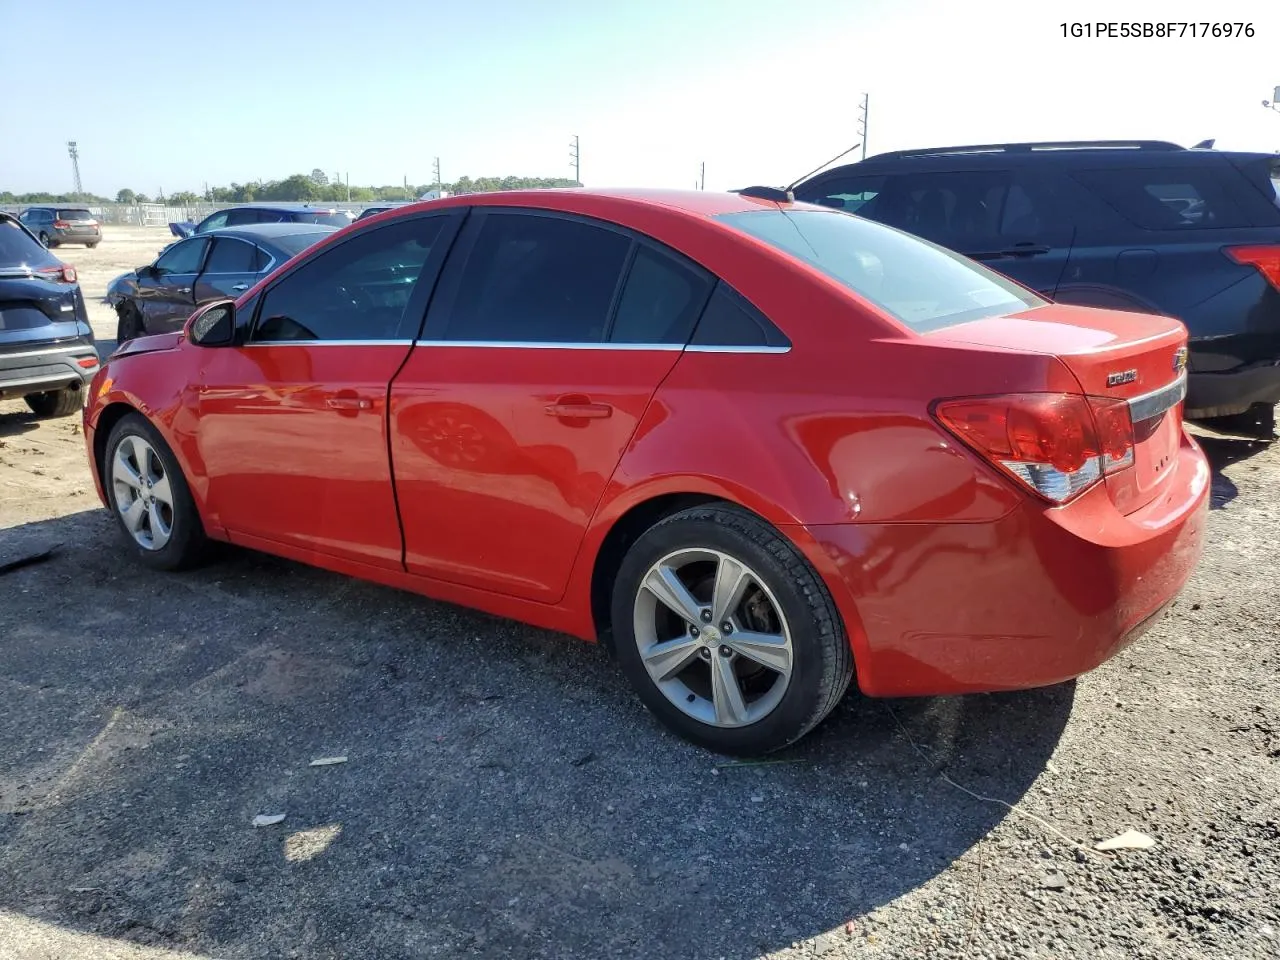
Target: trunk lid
[(1135, 357)]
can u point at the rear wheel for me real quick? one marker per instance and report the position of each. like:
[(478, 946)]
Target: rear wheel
[(92, 245), (149, 497), (727, 633), (44, 239), (56, 403), (129, 326)]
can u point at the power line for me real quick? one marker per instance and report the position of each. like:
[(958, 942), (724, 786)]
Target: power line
[(74, 152), (576, 161), (865, 110)]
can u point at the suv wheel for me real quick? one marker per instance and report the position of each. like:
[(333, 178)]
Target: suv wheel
[(56, 403), (44, 239)]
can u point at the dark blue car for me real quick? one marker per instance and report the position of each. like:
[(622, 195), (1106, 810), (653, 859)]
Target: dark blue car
[(251, 213), (1141, 225)]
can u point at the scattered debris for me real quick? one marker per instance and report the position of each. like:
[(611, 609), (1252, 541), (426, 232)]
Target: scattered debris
[(327, 761), (583, 760), (757, 763), (28, 561), (1054, 881), (849, 928), (1129, 840), (268, 819)]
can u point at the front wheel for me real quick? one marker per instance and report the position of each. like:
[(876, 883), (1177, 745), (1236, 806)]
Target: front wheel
[(727, 633), (56, 403), (150, 498), (129, 326), (92, 246)]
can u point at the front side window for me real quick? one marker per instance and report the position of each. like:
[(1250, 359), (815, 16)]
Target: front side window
[(183, 257), (537, 279), (214, 221), (357, 290), (843, 193), (918, 283)]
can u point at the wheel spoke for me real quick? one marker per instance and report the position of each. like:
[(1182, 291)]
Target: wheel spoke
[(140, 453), (160, 531), (133, 515), (726, 695), (665, 660), (123, 471), (663, 583), (767, 649), (732, 581), (161, 491)]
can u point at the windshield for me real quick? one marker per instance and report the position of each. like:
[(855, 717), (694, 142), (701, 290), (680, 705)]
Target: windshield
[(294, 243), (75, 215), (917, 282)]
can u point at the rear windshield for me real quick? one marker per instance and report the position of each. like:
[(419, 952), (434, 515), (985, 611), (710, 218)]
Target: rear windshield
[(75, 215), (919, 283), (294, 243), (17, 248), (328, 219)]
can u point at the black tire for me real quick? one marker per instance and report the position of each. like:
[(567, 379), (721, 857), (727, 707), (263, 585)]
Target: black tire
[(130, 325), (56, 403), (44, 239), (822, 659), (92, 245), (187, 544)]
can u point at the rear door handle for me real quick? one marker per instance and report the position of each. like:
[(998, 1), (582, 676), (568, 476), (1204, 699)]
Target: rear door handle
[(184, 289), (350, 403), (571, 409), (241, 286)]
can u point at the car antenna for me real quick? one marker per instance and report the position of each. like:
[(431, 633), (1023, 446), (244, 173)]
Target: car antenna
[(792, 185)]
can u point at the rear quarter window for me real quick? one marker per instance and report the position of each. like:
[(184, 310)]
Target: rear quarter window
[(1166, 198), (922, 285)]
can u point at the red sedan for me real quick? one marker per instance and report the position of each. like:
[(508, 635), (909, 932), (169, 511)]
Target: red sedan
[(756, 447)]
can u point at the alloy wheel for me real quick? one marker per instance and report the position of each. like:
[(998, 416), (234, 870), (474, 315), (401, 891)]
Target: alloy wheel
[(143, 495)]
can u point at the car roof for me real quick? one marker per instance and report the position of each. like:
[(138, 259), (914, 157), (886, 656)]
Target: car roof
[(699, 203), (269, 231), (282, 205)]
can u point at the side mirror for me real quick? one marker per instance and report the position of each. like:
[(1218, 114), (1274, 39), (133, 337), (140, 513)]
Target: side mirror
[(214, 325), (147, 270)]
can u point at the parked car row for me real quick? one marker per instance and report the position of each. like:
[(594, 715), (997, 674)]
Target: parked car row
[(249, 214), (761, 449)]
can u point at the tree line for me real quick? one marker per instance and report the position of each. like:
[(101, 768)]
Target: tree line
[(301, 187)]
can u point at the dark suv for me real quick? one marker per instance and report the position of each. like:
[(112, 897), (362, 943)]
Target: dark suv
[(47, 353), (1141, 225), (250, 213), (58, 225)]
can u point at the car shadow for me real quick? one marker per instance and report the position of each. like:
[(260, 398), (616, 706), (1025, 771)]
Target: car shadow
[(18, 422), (503, 793), (1223, 452)]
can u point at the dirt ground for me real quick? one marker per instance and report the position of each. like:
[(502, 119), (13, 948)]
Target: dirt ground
[(504, 795)]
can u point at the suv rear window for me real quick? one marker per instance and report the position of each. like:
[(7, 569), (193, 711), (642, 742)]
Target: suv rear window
[(75, 215), (921, 284), (17, 247), (1166, 198)]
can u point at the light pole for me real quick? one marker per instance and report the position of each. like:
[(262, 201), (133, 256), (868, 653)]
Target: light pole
[(1274, 102), (74, 152)]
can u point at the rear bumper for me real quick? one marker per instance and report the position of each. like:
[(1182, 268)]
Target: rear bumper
[(1035, 598), (59, 237), (1232, 391), (40, 369)]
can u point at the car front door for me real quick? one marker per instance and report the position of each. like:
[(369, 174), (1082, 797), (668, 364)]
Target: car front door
[(292, 421), (543, 347), (232, 267), (166, 292)]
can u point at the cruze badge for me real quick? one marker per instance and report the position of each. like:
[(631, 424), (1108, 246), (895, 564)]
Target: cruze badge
[(1121, 377), (1180, 360)]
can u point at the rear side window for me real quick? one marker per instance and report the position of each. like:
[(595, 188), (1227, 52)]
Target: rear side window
[(922, 285), (1167, 198), (231, 256), (537, 279), (17, 248), (660, 301)]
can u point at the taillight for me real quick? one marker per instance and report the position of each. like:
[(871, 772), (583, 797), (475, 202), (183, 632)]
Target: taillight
[(64, 272), (61, 224), (1058, 444), (1266, 258)]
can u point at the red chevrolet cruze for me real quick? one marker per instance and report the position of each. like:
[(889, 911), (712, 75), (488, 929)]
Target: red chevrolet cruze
[(757, 447)]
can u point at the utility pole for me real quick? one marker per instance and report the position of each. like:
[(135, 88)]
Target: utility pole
[(406, 187), (864, 109), (702, 180), (575, 160), (75, 163), (348, 187), (439, 182)]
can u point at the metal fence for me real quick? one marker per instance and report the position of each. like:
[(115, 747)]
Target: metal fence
[(157, 214)]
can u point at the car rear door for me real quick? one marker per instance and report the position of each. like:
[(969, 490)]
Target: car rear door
[(232, 267), (292, 422), (545, 343), (166, 292)]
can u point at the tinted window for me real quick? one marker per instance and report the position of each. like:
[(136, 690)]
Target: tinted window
[(75, 215), (238, 218), (537, 279), (1174, 198), (950, 206), (294, 243), (729, 321), (260, 259), (183, 257), (356, 291), (660, 301), (17, 246), (844, 193), (213, 221), (328, 219), (231, 256), (919, 283)]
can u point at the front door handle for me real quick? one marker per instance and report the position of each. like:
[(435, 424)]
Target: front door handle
[(240, 287), (350, 403), (184, 289), (578, 408)]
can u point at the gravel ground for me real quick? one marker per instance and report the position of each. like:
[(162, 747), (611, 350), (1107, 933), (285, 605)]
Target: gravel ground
[(504, 795)]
